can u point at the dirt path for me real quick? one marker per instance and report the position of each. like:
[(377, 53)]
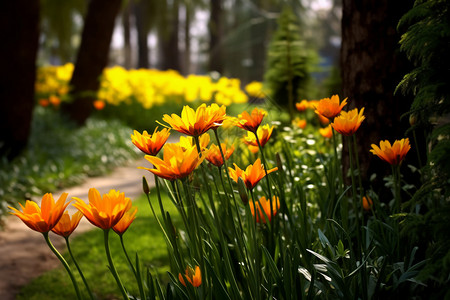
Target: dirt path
[(24, 254)]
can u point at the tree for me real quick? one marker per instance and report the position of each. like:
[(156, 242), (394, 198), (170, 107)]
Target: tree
[(19, 31), (371, 68), (92, 58), (289, 63), (215, 36)]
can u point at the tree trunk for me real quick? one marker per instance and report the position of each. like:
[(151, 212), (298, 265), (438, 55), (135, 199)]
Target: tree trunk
[(187, 39), (19, 31), (371, 67), (127, 35), (140, 13), (215, 36), (168, 37), (92, 58)]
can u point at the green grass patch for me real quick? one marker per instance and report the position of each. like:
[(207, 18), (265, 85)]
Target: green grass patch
[(144, 237)]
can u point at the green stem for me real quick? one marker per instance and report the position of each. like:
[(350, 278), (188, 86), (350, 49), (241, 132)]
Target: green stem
[(257, 267), (136, 275), (397, 194), (79, 269), (112, 268), (64, 262)]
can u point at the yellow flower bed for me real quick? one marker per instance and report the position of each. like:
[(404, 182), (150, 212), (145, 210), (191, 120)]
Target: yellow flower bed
[(148, 87)]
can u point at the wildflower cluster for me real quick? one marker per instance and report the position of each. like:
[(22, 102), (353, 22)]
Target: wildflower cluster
[(235, 222)]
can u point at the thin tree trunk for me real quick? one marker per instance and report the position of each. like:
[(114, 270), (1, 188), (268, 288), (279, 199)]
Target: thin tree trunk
[(371, 67), (92, 58), (187, 39), (140, 10), (215, 36), (19, 31), (127, 35)]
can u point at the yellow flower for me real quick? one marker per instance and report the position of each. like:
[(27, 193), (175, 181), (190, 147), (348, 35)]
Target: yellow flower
[(196, 122), (66, 224), (326, 132), (251, 121), (193, 277), (392, 154), (252, 174), (347, 123), (330, 107), (215, 157), (264, 205), (125, 222), (264, 132), (104, 213), (150, 144), (42, 219), (177, 162), (187, 142)]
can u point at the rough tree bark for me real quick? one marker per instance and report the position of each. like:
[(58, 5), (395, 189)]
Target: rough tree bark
[(371, 67), (19, 31), (92, 58)]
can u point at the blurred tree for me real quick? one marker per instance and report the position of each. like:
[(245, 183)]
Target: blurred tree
[(126, 14), (92, 58), (168, 35), (371, 67), (59, 29), (215, 26), (19, 31), (290, 63)]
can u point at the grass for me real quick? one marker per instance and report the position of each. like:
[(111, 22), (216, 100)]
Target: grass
[(144, 237)]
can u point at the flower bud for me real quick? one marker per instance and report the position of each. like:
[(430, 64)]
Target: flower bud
[(145, 185), (242, 191)]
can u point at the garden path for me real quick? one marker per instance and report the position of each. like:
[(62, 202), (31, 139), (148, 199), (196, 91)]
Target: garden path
[(24, 254)]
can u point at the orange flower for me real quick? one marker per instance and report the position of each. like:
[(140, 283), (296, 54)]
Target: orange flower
[(264, 132), (215, 157), (54, 100), (367, 203), (323, 120), (150, 144), (253, 149), (302, 105), (177, 162), (44, 218), (300, 123), (196, 122), (252, 175), (99, 104), (348, 122), (67, 225), (251, 122), (104, 213), (44, 102), (326, 132), (264, 205), (392, 154), (330, 107), (125, 222), (193, 277)]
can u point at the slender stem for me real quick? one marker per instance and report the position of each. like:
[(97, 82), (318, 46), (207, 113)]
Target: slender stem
[(64, 262), (336, 162), (79, 269), (256, 257), (112, 268), (161, 207), (136, 275), (397, 195)]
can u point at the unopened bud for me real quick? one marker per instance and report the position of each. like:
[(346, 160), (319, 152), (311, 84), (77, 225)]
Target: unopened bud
[(279, 163), (412, 119), (242, 191), (145, 185)]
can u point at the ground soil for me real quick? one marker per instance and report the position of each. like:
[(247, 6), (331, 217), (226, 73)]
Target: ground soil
[(24, 254)]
